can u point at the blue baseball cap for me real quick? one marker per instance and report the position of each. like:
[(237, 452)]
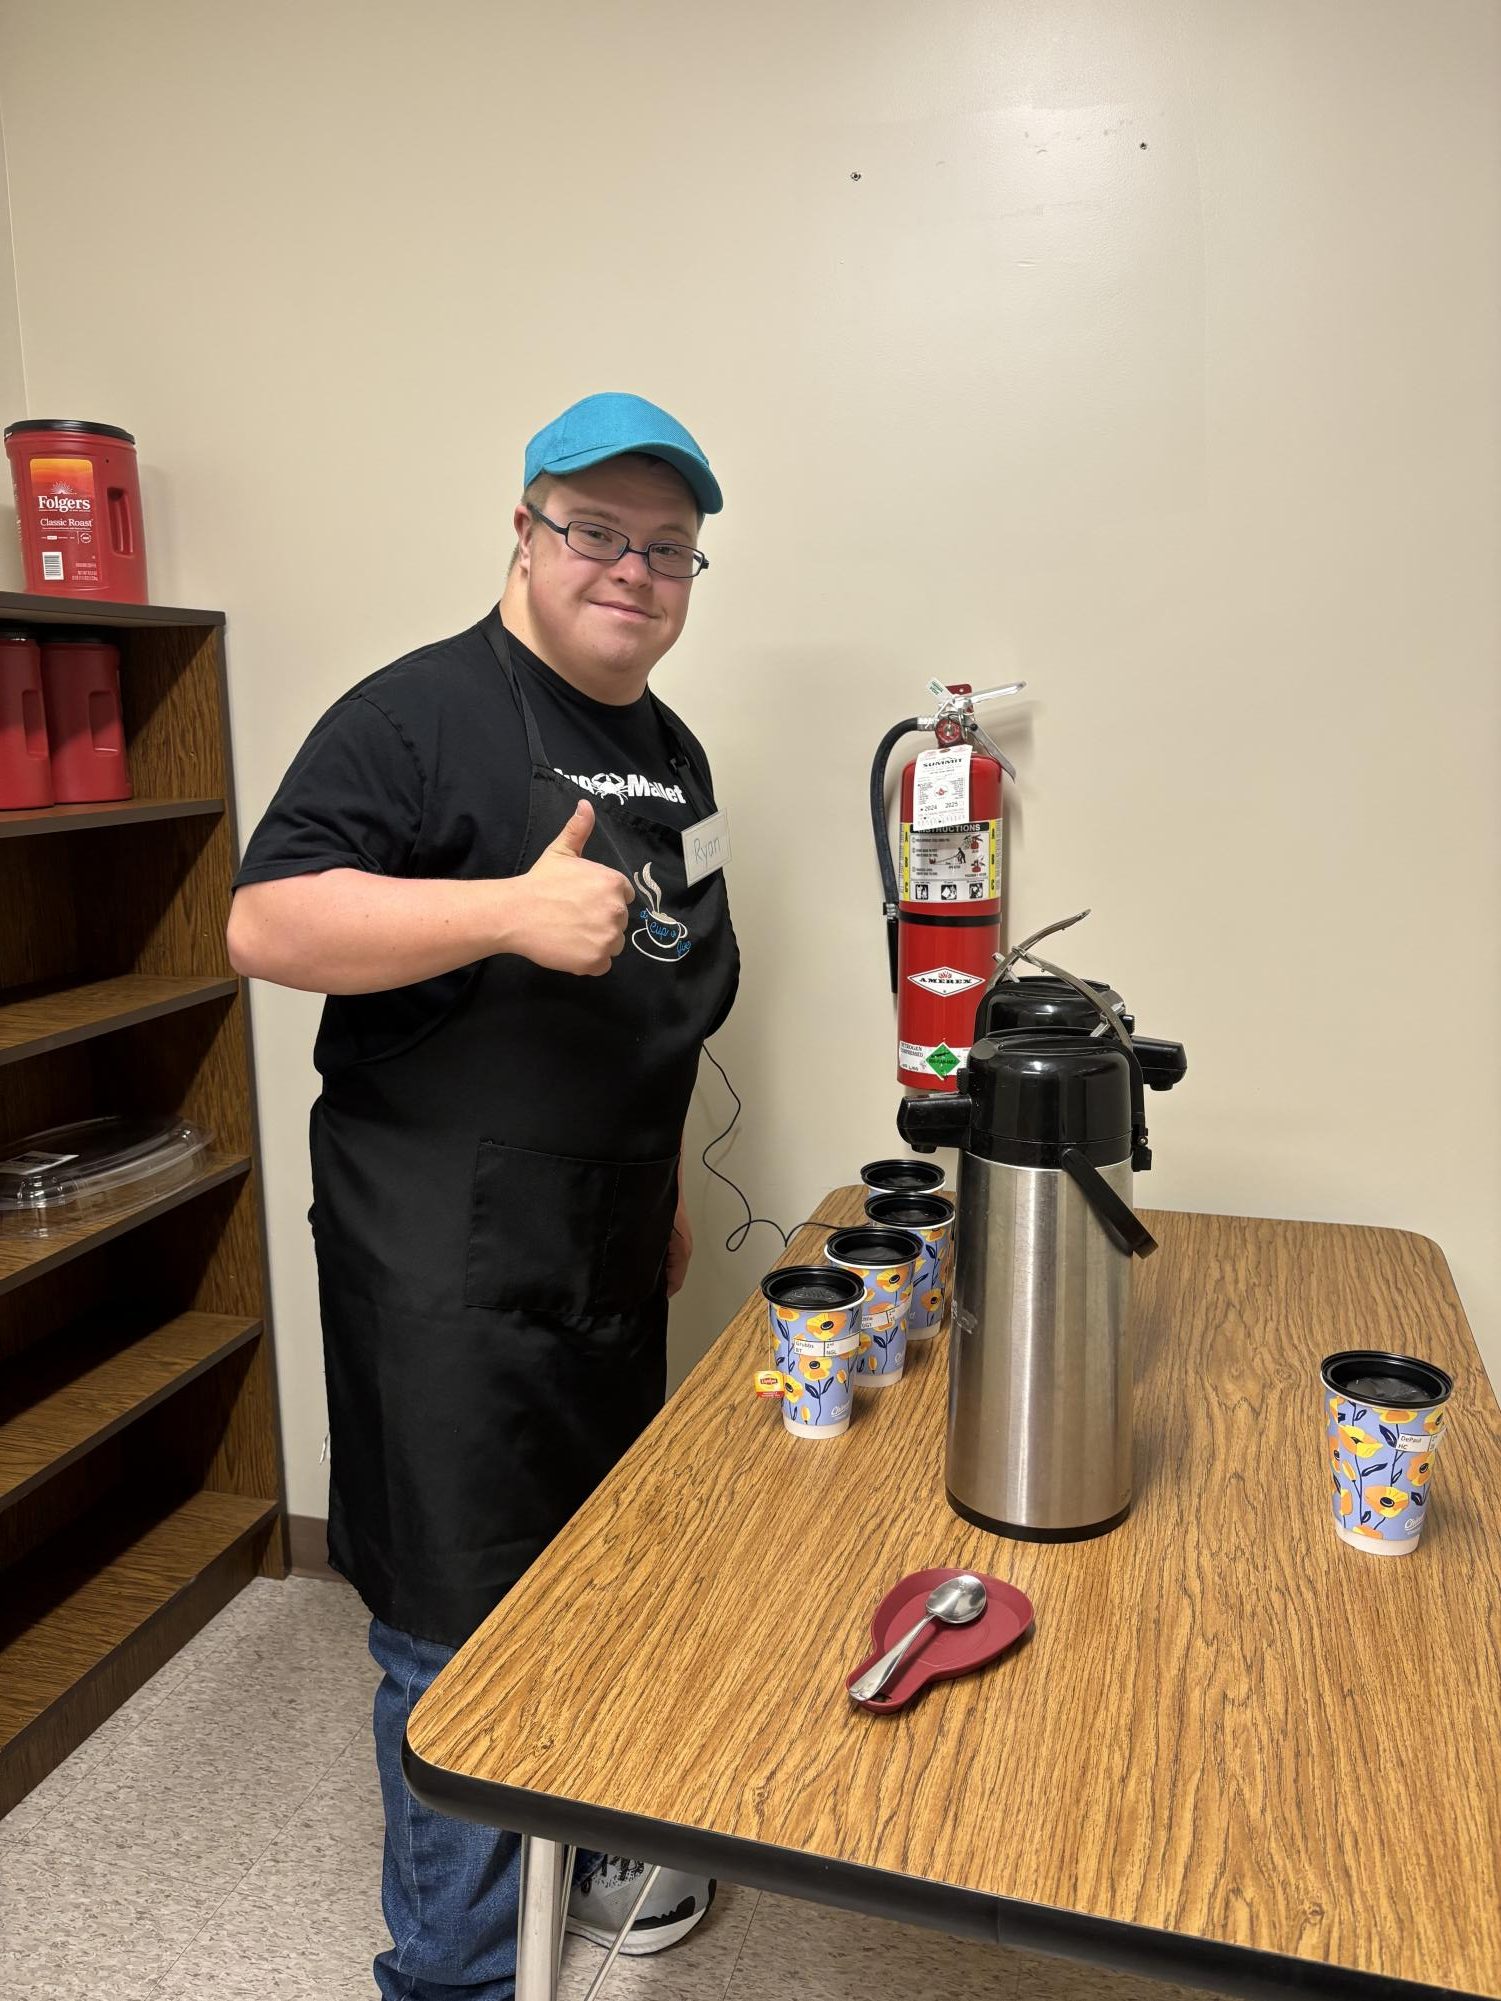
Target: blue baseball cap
[(608, 425)]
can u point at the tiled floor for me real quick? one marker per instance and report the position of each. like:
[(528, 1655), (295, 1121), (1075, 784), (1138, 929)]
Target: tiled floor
[(219, 1839)]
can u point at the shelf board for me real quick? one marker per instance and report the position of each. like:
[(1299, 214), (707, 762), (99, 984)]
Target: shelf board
[(41, 608), (24, 1258), (36, 1019), (70, 1393), (105, 813), (80, 1599)]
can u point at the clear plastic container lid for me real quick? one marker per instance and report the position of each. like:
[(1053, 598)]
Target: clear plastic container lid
[(55, 1177)]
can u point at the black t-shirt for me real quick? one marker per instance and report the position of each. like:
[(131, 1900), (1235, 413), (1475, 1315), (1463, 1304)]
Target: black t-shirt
[(423, 771)]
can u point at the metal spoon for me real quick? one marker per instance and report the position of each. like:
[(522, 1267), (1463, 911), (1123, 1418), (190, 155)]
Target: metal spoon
[(958, 1601)]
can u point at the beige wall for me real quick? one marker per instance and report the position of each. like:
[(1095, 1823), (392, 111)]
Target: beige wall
[(1152, 356), (12, 378)]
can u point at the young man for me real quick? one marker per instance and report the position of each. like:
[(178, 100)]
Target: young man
[(478, 857)]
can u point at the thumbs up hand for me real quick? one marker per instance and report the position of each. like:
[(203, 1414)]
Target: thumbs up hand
[(571, 913)]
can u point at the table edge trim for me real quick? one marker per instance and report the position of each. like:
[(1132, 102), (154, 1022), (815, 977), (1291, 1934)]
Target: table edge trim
[(1249, 1972)]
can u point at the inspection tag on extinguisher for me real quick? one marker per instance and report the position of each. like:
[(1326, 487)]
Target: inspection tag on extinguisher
[(940, 788)]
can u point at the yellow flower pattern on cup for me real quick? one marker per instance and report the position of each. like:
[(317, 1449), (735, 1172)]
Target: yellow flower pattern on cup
[(1359, 1441), (1379, 1471), (925, 1315), (808, 1344), (883, 1318)]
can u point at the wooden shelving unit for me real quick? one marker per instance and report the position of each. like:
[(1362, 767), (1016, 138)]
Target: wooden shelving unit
[(25, 1258), (51, 1017), (109, 813), (140, 1464)]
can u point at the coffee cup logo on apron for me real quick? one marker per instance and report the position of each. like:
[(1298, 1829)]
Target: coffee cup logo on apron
[(658, 936)]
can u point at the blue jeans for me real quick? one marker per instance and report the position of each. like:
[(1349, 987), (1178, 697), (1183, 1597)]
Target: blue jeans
[(451, 1891)]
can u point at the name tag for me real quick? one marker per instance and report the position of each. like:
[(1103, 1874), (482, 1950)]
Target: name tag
[(706, 846)]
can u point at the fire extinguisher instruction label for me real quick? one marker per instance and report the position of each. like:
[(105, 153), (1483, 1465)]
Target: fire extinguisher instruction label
[(940, 787), (66, 523), (951, 864)]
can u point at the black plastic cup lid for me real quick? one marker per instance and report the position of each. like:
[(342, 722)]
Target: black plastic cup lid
[(1391, 1380), (903, 1177), (66, 424), (916, 1211), (872, 1247), (812, 1285)]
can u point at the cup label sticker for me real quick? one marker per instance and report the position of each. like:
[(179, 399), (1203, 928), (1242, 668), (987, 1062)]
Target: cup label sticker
[(838, 1344)]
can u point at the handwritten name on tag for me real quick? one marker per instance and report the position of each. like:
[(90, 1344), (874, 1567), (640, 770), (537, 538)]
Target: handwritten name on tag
[(706, 846)]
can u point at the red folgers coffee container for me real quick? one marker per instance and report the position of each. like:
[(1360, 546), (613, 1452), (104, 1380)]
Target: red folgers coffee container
[(81, 682), (78, 500), (25, 769)]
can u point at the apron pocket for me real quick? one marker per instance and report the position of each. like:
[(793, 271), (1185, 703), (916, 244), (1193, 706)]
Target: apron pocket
[(551, 1233)]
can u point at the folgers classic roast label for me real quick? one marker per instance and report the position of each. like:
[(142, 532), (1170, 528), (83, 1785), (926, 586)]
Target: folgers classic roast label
[(78, 502), (67, 520)]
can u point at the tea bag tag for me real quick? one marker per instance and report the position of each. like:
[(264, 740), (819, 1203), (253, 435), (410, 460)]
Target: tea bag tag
[(706, 846)]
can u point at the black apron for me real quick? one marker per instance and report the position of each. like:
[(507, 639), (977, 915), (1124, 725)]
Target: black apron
[(492, 1207)]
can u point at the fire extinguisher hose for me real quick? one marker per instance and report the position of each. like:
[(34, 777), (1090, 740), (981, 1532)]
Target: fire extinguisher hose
[(889, 894)]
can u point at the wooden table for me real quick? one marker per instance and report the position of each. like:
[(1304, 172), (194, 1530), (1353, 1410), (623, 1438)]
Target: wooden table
[(1235, 1753)]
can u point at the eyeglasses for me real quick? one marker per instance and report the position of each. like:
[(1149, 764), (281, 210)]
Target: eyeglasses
[(608, 545)]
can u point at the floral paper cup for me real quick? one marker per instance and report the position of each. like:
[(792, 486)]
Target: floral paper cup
[(814, 1313), (931, 1218), (886, 1262), (1384, 1422)]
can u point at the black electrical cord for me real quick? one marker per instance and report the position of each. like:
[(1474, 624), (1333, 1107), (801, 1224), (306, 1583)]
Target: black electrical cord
[(737, 1237)]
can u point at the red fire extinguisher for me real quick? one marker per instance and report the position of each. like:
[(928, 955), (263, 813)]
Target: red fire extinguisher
[(943, 894)]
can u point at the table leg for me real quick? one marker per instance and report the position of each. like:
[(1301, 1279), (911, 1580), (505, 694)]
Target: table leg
[(565, 1886), (543, 1887), (597, 1983)]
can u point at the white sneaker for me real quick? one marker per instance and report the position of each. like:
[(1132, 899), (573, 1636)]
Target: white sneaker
[(600, 1902)]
